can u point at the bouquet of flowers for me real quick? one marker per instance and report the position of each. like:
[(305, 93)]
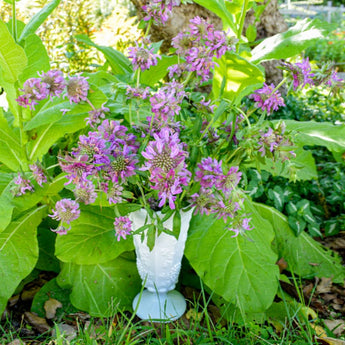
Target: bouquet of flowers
[(161, 133)]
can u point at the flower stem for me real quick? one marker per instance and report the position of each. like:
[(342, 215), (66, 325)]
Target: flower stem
[(244, 115), (240, 28)]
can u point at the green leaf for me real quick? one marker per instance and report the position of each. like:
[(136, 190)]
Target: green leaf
[(290, 42), (11, 153), (12, 56), (101, 289), (37, 55), (300, 168), (305, 257), (47, 261), (52, 290), (251, 32), (297, 224), (118, 62), (242, 77), (318, 133), (71, 122), (156, 73), (36, 21), (52, 110), (219, 8), (242, 269), (18, 252), (92, 238)]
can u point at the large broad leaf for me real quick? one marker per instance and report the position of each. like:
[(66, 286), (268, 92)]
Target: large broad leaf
[(242, 270), (117, 61), (291, 42), (36, 21), (220, 9), (38, 60), (241, 78), (92, 238), (304, 256), (318, 133), (153, 75), (18, 252), (12, 57), (71, 122), (100, 289), (11, 153), (52, 111)]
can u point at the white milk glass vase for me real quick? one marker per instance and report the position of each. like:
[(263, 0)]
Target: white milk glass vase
[(159, 269)]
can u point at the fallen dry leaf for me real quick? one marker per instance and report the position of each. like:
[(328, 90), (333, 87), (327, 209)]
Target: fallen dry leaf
[(67, 331), (37, 322), (324, 286), (330, 341), (319, 331), (50, 307), (336, 326), (194, 315)]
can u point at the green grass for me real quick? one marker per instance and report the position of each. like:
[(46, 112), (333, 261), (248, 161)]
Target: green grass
[(200, 325)]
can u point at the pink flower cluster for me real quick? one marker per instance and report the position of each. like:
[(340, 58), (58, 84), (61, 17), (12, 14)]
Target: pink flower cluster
[(218, 194), (53, 84), (166, 163), (198, 45), (159, 10)]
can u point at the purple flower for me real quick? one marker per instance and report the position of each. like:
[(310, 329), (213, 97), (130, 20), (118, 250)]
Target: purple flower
[(123, 227), (227, 208), (228, 182), (166, 163), (95, 115), (240, 226), (66, 210), (268, 99), (38, 174), (159, 10), (142, 57), (168, 185), (85, 192), (203, 201), (123, 164), (166, 102), (55, 82), (301, 73), (209, 173), (22, 185), (138, 92), (114, 194), (333, 79), (34, 90), (77, 89), (164, 153)]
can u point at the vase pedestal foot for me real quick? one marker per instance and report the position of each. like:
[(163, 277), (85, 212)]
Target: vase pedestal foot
[(159, 307)]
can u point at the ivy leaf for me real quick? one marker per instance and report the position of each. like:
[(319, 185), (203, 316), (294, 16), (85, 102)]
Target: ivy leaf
[(12, 56), (92, 238), (305, 257), (297, 224), (18, 252), (102, 288), (242, 270)]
